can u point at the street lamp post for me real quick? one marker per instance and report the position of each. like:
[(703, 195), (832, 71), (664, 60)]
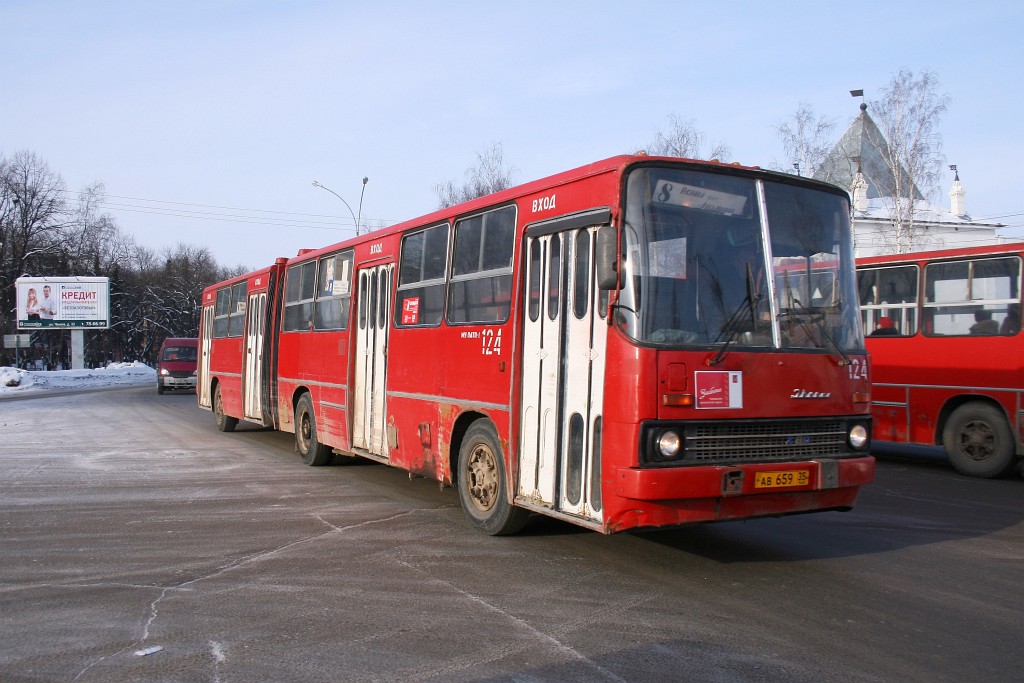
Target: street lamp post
[(355, 218)]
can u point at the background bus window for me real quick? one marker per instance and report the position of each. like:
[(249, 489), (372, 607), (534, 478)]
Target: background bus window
[(421, 278), (481, 285), (974, 297), (888, 300)]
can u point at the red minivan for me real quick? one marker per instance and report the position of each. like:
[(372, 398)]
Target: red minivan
[(176, 368)]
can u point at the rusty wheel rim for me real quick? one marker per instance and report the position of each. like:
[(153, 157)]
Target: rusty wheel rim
[(483, 477), (305, 432)]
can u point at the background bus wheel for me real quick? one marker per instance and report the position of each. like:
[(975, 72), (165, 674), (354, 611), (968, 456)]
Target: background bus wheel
[(481, 481), (311, 451), (978, 441), (224, 422)]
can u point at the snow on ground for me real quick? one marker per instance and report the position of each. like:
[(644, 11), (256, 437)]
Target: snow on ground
[(15, 381)]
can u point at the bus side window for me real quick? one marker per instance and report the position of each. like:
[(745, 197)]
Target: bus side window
[(334, 292), (298, 297), (221, 312), (481, 285), (419, 301)]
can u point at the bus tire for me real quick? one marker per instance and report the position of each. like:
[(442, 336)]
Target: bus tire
[(225, 423), (978, 441), (483, 492), (312, 452)]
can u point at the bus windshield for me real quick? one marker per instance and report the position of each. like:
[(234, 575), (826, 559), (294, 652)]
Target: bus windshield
[(713, 259)]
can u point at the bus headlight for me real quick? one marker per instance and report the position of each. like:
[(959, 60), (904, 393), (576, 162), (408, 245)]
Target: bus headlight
[(668, 444), (858, 437)]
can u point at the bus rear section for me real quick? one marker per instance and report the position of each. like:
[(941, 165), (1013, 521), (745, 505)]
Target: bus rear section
[(237, 337), (946, 344)]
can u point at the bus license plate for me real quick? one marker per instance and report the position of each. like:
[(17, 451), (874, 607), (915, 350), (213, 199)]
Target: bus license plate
[(774, 480)]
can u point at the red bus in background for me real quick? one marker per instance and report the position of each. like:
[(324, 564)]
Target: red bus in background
[(634, 343), (946, 349)]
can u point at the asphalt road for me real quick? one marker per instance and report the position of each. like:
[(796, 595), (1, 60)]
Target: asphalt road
[(129, 525)]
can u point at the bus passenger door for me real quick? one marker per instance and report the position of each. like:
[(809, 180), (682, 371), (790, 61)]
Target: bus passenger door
[(252, 391), (205, 343), (563, 375), (374, 304)]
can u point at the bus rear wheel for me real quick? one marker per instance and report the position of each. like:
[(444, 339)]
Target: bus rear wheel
[(978, 441), (483, 492), (225, 423), (312, 452)]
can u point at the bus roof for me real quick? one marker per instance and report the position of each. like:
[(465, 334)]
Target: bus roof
[(940, 254), (611, 164)]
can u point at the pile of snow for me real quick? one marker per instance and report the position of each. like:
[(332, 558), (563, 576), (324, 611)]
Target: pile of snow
[(116, 374)]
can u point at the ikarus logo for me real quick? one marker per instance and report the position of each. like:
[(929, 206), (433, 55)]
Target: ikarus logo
[(803, 393)]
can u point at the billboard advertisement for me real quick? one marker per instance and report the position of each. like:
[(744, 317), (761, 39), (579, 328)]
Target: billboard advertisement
[(67, 303)]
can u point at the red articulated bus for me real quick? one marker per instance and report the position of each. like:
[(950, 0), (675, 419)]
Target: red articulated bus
[(945, 346), (641, 342)]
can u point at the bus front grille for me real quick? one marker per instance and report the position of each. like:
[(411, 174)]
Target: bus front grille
[(763, 441)]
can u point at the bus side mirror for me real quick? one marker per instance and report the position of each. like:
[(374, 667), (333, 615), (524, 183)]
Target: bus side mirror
[(607, 257)]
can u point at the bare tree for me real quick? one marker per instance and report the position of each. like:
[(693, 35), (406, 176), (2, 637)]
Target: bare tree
[(32, 215), (490, 175), (683, 139), (806, 139), (92, 243), (907, 115)]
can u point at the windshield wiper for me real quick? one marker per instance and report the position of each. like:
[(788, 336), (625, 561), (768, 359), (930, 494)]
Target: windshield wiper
[(844, 359), (751, 300)]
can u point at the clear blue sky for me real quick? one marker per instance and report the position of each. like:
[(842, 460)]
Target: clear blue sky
[(230, 109)]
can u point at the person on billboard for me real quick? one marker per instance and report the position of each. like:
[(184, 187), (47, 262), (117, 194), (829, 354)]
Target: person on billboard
[(47, 307), (32, 304)]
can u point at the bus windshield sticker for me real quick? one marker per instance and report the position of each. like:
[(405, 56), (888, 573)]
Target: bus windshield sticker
[(716, 389), (693, 197), (668, 258)]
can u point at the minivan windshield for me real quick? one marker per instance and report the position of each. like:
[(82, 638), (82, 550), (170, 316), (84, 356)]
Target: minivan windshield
[(179, 353)]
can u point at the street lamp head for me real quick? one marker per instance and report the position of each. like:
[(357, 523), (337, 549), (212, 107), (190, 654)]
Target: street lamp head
[(365, 180)]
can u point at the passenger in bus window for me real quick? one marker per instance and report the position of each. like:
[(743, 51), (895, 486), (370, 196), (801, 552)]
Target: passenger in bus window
[(1011, 323), (984, 324), (885, 327)]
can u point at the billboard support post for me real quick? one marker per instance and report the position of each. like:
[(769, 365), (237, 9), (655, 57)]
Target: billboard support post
[(77, 350)]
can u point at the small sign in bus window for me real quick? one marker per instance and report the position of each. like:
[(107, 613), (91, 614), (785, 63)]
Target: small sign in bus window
[(693, 197)]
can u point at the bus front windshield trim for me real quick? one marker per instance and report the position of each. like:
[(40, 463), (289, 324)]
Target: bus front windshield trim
[(697, 272)]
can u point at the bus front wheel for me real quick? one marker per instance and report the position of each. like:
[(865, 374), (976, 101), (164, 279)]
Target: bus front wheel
[(978, 441), (310, 449), (225, 423), (481, 481)]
